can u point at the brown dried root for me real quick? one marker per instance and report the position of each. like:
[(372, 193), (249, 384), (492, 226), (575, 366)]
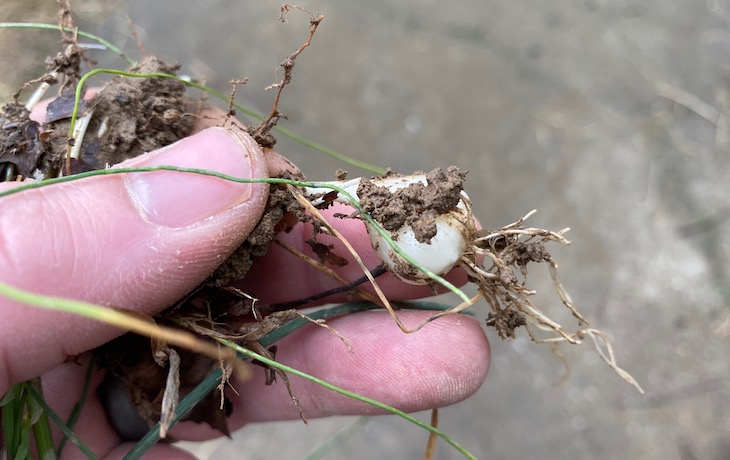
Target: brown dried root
[(496, 260), (261, 132), (507, 251)]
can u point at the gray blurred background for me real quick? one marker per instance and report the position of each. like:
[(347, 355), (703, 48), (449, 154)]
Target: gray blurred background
[(611, 117)]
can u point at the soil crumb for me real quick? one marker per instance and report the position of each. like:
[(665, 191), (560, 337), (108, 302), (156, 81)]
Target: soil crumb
[(417, 205)]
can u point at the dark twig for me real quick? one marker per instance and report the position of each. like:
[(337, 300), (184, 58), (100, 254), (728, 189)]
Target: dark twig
[(261, 132), (231, 112), (268, 309)]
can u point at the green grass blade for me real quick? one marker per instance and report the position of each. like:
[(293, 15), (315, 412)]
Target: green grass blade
[(324, 313), (251, 113), (76, 412), (213, 379), (289, 370), (22, 424), (96, 38), (42, 436), (218, 94), (211, 382), (330, 152), (184, 406), (12, 410), (61, 424), (353, 202), (285, 131)]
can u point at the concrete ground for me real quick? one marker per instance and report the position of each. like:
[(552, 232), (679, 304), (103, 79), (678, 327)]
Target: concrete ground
[(611, 117)]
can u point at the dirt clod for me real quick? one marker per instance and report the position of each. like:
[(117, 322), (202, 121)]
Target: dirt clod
[(20, 143), (524, 253), (132, 116), (417, 205), (282, 210)]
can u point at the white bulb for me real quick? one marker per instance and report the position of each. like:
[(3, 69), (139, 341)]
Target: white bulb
[(439, 255)]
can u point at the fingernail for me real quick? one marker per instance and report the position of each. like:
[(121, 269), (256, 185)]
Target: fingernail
[(177, 199)]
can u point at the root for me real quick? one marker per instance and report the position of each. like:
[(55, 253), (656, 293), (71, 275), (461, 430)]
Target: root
[(261, 132), (505, 253), (383, 300), (322, 323)]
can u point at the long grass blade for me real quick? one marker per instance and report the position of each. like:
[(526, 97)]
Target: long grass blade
[(42, 436), (61, 424), (96, 38), (76, 411)]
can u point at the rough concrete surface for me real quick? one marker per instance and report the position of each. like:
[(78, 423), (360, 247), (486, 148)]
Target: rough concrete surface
[(611, 117)]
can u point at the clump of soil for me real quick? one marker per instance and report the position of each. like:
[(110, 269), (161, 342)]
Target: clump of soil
[(131, 116), (282, 212), (417, 205), (20, 144), (134, 116)]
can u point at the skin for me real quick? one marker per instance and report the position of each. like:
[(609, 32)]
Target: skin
[(126, 241)]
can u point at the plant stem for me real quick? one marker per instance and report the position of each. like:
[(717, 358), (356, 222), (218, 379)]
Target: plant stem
[(96, 38), (61, 425), (41, 428), (76, 412)]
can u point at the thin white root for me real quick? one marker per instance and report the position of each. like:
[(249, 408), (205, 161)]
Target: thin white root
[(78, 134), (171, 395), (496, 261), (73, 151), (563, 294), (103, 127), (39, 92)]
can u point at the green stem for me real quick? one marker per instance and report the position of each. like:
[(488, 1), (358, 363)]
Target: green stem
[(330, 152), (13, 408), (42, 436), (76, 307), (76, 412), (212, 381), (268, 180), (96, 38), (309, 143), (224, 97), (60, 423), (102, 314)]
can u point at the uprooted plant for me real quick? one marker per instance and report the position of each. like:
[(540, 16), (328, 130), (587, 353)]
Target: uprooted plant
[(420, 225)]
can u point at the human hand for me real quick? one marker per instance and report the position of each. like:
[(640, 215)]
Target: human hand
[(143, 241)]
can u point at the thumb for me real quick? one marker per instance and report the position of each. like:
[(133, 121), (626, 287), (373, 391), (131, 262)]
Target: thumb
[(137, 241)]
